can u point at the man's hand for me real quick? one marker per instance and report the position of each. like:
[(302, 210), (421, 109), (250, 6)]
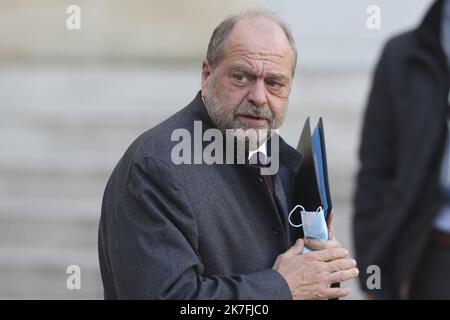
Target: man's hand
[(309, 276)]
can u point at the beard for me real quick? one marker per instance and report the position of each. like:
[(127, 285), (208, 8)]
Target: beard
[(226, 119)]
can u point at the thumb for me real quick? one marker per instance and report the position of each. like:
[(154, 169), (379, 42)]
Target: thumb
[(296, 249), (314, 245)]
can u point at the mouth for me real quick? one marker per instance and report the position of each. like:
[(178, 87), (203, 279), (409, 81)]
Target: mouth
[(252, 120)]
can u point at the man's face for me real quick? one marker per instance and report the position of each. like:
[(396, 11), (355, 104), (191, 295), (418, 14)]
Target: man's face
[(250, 87)]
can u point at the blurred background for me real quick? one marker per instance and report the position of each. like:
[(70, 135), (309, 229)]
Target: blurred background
[(71, 101)]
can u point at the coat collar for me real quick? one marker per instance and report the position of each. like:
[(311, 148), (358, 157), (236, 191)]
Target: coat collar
[(429, 31), (428, 35), (430, 27)]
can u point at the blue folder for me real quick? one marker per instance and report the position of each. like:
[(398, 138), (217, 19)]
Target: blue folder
[(319, 166), (312, 187)]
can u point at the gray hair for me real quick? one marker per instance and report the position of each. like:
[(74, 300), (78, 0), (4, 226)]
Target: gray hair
[(215, 47)]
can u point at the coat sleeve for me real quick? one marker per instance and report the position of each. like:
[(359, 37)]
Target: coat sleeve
[(377, 165), (153, 245)]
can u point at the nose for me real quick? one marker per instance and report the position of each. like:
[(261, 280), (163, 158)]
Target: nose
[(257, 93)]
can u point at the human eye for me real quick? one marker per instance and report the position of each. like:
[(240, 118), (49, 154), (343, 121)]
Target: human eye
[(240, 78), (273, 84)]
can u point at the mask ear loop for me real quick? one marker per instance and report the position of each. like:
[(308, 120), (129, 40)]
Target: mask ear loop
[(290, 214)]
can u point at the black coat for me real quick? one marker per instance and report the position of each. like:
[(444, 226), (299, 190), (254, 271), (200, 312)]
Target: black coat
[(192, 231), (397, 194)]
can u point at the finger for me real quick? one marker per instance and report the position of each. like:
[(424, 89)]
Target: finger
[(331, 254), (343, 275), (340, 264), (330, 224), (333, 293), (296, 249), (334, 243), (316, 245)]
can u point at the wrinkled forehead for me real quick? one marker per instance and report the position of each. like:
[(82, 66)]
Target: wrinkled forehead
[(260, 40)]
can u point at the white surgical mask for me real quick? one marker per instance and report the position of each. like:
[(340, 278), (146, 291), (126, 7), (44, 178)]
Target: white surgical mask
[(313, 222)]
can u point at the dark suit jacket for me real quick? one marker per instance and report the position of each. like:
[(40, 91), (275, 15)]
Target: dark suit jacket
[(397, 194), (192, 231)]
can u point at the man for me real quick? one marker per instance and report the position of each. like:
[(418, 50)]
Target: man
[(402, 219), (218, 231)]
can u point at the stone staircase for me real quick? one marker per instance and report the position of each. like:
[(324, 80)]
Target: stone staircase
[(64, 127)]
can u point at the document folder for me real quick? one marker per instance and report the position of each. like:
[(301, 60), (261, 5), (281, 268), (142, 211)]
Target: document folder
[(312, 187)]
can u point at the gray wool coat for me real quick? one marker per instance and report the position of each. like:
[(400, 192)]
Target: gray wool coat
[(193, 231)]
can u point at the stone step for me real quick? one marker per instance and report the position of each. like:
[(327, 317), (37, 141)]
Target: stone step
[(77, 90), (37, 144), (81, 187), (52, 222), (59, 223), (36, 272), (41, 184), (41, 138)]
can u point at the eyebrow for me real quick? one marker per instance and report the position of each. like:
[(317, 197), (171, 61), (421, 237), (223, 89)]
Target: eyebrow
[(278, 77), (250, 71)]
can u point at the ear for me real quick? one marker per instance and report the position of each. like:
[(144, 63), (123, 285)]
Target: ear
[(206, 73)]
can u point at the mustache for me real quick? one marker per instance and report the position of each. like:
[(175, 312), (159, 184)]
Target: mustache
[(250, 110)]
